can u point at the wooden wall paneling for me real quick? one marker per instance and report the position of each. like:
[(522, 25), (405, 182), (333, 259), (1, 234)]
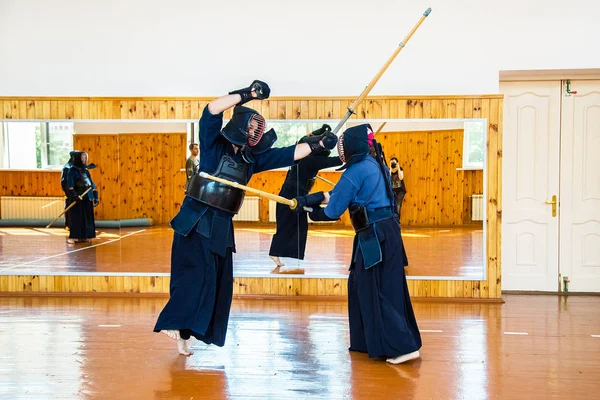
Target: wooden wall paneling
[(30, 183), (494, 177), (489, 107), (434, 186)]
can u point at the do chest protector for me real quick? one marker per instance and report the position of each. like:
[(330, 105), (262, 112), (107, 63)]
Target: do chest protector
[(217, 194)]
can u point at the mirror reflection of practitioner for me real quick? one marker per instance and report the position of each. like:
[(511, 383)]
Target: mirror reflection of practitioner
[(65, 185), (82, 227), (380, 314), (292, 228)]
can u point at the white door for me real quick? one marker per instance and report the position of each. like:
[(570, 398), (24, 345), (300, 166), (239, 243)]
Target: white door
[(580, 188), (530, 178)]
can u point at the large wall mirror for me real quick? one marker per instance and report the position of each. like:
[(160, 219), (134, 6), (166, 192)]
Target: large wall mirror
[(141, 177)]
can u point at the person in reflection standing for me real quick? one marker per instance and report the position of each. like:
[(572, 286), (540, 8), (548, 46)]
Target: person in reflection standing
[(380, 313), (192, 164), (203, 242), (81, 215), (398, 185), (292, 228), (65, 186)]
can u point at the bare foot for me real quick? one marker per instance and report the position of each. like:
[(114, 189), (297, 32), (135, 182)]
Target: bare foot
[(173, 334), (404, 358), (277, 261), (292, 271), (183, 347)]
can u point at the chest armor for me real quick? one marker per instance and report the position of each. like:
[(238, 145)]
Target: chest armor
[(82, 184), (217, 194)]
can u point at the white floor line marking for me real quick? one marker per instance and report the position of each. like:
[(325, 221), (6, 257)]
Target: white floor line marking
[(70, 252), (109, 326), (598, 336), (516, 333), (431, 330)]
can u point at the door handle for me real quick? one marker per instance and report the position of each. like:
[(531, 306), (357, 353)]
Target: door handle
[(553, 202)]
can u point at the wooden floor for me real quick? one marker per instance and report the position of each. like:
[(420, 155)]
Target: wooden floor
[(452, 252), (531, 347)]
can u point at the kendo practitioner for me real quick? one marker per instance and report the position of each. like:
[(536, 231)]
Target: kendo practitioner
[(81, 216), (201, 257), (292, 228), (381, 317), (65, 186)]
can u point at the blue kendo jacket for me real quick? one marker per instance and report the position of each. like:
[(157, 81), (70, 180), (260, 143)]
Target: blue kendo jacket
[(363, 184), (211, 222)]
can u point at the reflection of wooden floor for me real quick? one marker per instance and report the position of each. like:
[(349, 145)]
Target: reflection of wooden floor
[(455, 252), (104, 348)]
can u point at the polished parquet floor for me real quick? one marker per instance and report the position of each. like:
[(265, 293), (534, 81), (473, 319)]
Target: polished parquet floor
[(447, 252), (531, 347)]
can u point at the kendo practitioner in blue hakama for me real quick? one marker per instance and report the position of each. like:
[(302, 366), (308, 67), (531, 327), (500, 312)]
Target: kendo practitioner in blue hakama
[(201, 257), (82, 227), (380, 313), (292, 228)]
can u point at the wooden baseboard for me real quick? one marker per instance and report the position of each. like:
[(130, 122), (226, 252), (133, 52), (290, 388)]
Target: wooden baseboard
[(258, 287), (530, 293), (241, 297)]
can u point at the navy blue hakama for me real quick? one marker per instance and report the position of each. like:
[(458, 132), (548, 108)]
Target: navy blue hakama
[(380, 313)]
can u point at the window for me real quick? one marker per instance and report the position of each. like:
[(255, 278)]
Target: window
[(35, 145), (58, 143), (474, 144), (288, 132)]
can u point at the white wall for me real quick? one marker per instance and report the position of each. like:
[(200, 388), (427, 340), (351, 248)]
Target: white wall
[(307, 47)]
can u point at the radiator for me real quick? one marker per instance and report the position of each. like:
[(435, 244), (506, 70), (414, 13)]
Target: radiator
[(249, 210), (477, 207), (22, 207), (272, 217), (272, 210)]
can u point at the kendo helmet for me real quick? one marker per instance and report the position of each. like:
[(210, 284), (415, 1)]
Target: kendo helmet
[(246, 128), (353, 145), (77, 159)]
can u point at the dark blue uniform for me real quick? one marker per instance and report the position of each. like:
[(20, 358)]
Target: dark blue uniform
[(201, 257), (292, 228), (81, 216), (381, 317)]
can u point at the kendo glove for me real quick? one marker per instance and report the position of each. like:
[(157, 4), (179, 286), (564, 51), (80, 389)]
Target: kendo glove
[(261, 89), (96, 199), (328, 138), (74, 197), (321, 130), (313, 199)]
